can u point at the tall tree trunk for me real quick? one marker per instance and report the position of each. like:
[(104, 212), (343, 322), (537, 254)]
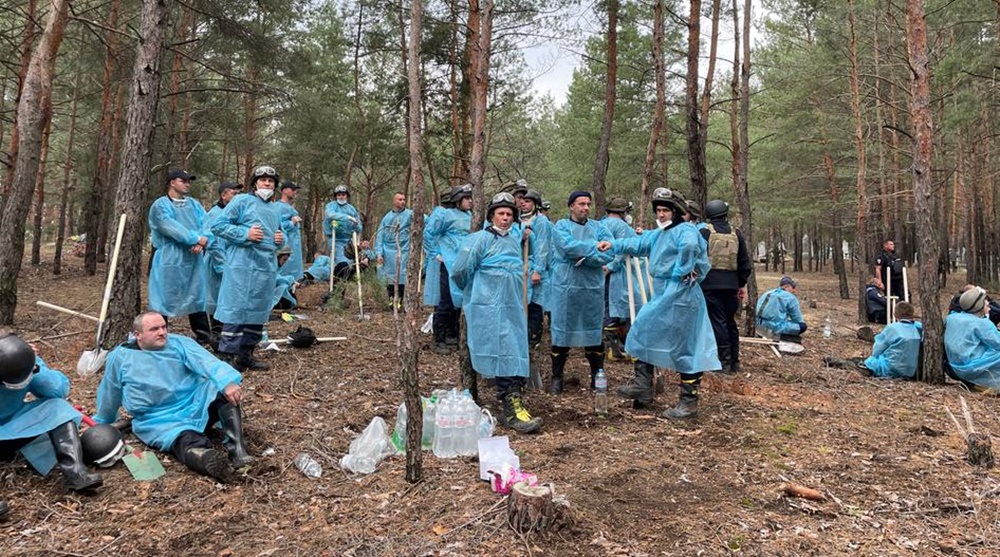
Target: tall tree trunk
[(39, 216), (695, 154), (863, 239), (657, 128), (27, 40), (250, 122), (136, 162), (457, 153), (610, 91), (33, 114), (408, 343), (706, 101), (925, 201), (94, 216), (67, 171), (742, 184)]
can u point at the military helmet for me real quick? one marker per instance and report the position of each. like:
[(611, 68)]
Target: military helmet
[(102, 445), (618, 205), (262, 172), (670, 199), (534, 196), (502, 199), (716, 208), (17, 362)]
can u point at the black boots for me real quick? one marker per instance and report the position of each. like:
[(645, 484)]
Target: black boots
[(559, 357), (69, 456), (615, 351), (687, 403), (232, 429), (640, 387), (209, 462), (595, 357), (517, 417), (246, 360), (726, 359)]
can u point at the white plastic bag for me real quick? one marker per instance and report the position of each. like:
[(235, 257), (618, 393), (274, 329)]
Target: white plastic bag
[(368, 449)]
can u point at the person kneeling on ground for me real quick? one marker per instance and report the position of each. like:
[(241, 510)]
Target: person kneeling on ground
[(175, 390), (22, 372), (875, 303), (488, 269), (897, 347), (972, 343), (779, 313)]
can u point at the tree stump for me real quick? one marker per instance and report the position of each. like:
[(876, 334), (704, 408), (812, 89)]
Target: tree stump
[(531, 508), (980, 450)]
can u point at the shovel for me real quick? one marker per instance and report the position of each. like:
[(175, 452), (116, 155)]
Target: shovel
[(91, 361), (143, 465), (357, 273)]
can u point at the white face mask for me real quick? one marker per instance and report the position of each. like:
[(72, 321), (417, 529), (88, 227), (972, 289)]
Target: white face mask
[(628, 220), (664, 224), (264, 194), (341, 202)]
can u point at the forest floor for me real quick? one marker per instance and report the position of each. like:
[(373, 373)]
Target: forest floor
[(883, 452)]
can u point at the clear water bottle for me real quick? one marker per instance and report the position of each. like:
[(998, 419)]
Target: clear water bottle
[(487, 423), (308, 466), (601, 393), (444, 428), (827, 327), (429, 408), (399, 432), (469, 429)]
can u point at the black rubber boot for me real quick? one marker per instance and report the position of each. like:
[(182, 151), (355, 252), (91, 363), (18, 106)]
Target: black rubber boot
[(232, 427), (209, 462), (640, 387), (615, 352), (734, 358), (247, 360), (687, 403), (69, 458), (558, 366), (234, 361), (595, 357), (517, 417), (725, 358)]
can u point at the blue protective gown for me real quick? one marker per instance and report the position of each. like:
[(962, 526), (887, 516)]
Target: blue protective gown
[(972, 344), (781, 315), (576, 294), (177, 276), (49, 409), (490, 272), (896, 351), (618, 305), (432, 267), (541, 255), (166, 391), (215, 254), (251, 267), (340, 222), (320, 269), (449, 231), (293, 239), (673, 330), (283, 289), (395, 224)]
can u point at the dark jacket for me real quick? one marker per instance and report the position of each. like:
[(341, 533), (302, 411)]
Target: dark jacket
[(728, 280)]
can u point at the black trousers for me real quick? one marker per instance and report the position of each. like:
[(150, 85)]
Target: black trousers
[(722, 307), (536, 318), (445, 313), (191, 439), (509, 385)]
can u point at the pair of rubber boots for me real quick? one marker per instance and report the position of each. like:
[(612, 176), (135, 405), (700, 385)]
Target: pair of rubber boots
[(640, 389), (69, 458), (595, 359), (517, 417), (215, 463)]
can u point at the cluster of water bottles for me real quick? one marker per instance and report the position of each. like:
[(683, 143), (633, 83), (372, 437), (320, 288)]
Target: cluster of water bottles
[(453, 424)]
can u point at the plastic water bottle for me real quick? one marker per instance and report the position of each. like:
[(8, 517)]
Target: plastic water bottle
[(429, 408), (308, 466), (444, 428), (601, 393), (487, 423), (469, 428), (399, 432), (827, 327)]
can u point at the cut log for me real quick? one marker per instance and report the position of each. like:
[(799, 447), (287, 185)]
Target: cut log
[(531, 508)]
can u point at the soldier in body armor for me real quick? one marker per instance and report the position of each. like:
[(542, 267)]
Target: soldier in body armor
[(725, 287)]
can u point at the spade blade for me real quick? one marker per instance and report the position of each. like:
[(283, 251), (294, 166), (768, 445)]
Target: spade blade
[(144, 466)]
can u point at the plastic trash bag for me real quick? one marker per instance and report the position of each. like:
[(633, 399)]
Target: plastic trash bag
[(368, 449)]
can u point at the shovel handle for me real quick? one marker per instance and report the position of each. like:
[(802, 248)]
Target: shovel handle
[(85, 418)]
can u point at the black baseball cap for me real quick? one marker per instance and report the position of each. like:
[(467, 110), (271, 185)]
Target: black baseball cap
[(290, 184), (229, 186), (182, 174)]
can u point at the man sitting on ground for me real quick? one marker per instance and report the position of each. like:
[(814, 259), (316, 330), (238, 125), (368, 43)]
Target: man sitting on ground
[(897, 347), (994, 307), (875, 303), (778, 312), (972, 342), (175, 390)]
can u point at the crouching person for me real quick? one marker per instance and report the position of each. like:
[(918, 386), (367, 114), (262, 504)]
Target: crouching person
[(22, 372), (972, 343), (489, 270), (175, 390), (897, 347), (778, 312)]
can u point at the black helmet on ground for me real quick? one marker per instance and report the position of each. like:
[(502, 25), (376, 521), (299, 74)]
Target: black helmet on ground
[(17, 362), (303, 337), (716, 209), (502, 199), (102, 445)]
